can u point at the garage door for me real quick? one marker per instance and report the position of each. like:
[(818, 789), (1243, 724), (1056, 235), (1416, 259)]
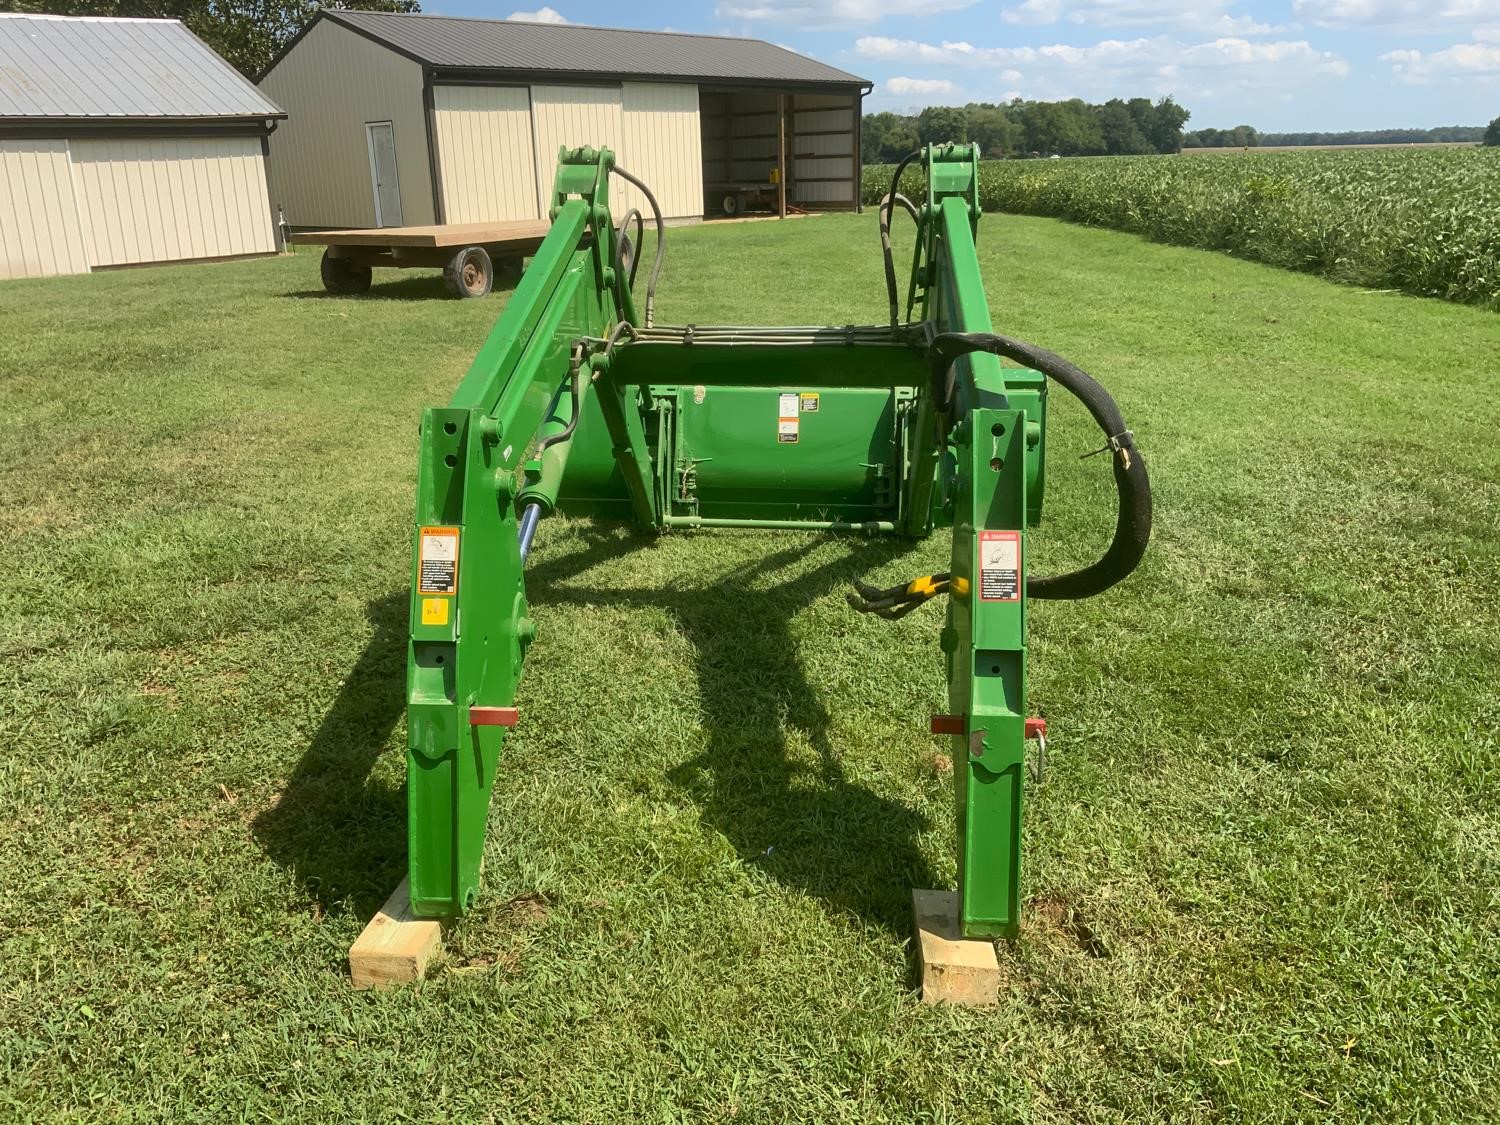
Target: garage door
[(172, 198), (485, 153), (572, 116)]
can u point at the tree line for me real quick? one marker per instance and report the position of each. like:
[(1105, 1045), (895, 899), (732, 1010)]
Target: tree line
[(248, 33), (1118, 127), (1246, 136)]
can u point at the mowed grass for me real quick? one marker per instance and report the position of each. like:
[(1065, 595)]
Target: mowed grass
[(1261, 874)]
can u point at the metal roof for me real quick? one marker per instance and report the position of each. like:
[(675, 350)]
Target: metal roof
[(65, 67), (573, 49)]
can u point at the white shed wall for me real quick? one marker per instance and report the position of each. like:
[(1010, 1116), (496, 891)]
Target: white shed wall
[(165, 199), (570, 116), (497, 145), (40, 233), (331, 84), (486, 161), (663, 148)]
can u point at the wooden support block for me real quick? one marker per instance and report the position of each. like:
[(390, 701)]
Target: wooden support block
[(955, 970), (396, 946)]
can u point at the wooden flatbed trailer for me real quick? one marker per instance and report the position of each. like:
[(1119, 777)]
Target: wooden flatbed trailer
[(467, 253)]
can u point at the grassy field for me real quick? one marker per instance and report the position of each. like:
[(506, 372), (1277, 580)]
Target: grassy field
[(1424, 221), (1261, 875)]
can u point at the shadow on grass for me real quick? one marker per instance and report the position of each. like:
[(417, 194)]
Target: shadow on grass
[(426, 287), (806, 824), (342, 833)]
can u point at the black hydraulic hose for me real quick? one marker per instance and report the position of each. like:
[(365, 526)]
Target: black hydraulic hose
[(887, 204), (906, 205), (575, 362), (622, 243), (661, 238), (1133, 523), (575, 384)]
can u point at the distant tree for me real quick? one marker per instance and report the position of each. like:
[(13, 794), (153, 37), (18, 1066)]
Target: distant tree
[(1492, 134), (939, 123), (1167, 120), (1144, 114), (992, 130), (248, 33), (873, 131), (1044, 124), (1447, 134), (1122, 137), (1068, 128)]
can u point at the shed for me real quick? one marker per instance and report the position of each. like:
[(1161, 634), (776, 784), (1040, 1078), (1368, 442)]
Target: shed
[(125, 142), (417, 119)]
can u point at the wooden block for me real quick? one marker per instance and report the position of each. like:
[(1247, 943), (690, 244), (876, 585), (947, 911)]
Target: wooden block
[(396, 946), (955, 970)]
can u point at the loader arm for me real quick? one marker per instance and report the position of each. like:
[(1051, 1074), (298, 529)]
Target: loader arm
[(469, 623), (895, 429)]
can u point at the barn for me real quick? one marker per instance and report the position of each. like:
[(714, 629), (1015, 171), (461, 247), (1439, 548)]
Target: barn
[(125, 142), (417, 119)]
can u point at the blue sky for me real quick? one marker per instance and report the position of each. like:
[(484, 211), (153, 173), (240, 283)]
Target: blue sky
[(1280, 65)]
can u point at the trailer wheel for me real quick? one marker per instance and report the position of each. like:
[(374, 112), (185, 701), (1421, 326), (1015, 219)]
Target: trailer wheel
[(470, 273), (733, 203), (343, 276)]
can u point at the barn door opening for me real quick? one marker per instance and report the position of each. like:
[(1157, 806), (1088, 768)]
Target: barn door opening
[(382, 143)]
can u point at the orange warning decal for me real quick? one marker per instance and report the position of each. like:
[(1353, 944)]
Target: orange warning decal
[(437, 561)]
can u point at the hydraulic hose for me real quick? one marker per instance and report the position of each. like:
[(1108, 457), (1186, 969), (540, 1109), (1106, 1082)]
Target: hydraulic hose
[(622, 244), (661, 238), (886, 206), (1133, 523)]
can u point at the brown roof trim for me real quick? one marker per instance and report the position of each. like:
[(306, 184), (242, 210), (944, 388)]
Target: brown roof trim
[(496, 76), (67, 127)]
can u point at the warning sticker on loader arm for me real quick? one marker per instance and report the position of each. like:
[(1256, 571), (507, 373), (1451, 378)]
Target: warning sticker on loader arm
[(999, 566), (787, 423), (437, 561)]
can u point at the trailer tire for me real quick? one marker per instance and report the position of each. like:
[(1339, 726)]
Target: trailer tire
[(344, 276), (470, 273), (733, 204)]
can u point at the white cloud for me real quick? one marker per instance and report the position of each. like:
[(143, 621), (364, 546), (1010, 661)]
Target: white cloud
[(1463, 62), (824, 15), (1394, 13), (900, 85), (1212, 16), (1130, 66), (541, 15)]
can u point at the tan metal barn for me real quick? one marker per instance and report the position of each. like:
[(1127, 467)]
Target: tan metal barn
[(123, 142), (413, 119)]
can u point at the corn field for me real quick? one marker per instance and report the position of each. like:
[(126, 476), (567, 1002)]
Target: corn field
[(1424, 221)]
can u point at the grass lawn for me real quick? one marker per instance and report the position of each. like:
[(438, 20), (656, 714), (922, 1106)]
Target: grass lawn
[(1261, 874)]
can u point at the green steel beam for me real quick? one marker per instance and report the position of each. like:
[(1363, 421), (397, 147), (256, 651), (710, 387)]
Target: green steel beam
[(791, 429)]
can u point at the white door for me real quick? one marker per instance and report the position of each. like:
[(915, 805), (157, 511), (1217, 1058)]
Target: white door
[(383, 173)]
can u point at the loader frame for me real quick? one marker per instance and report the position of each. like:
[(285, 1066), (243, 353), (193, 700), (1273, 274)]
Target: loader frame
[(577, 402)]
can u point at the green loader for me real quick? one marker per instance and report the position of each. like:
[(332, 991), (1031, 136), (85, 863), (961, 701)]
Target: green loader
[(578, 402)]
